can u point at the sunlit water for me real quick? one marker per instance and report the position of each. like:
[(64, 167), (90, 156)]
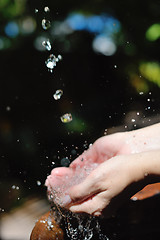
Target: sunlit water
[(77, 226)]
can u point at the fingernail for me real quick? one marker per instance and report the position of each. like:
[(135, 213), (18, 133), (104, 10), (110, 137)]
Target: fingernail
[(66, 200)]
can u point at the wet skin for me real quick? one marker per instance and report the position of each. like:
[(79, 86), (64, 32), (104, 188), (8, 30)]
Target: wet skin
[(117, 176)]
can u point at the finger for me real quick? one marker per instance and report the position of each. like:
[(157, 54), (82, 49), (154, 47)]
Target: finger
[(58, 176), (89, 187), (87, 156), (93, 206)]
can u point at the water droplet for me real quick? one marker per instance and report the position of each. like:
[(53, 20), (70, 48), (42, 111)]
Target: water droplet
[(38, 183), (58, 94), (59, 57), (47, 45), (134, 198), (133, 120), (36, 10), (141, 93), (148, 100), (46, 24), (8, 108), (46, 9), (66, 118), (51, 62), (115, 66), (73, 152), (65, 162), (137, 113), (15, 187)]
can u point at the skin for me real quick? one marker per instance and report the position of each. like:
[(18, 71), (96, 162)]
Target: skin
[(126, 163)]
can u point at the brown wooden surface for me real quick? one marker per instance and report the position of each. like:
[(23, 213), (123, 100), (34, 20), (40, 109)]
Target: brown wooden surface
[(148, 191), (42, 231)]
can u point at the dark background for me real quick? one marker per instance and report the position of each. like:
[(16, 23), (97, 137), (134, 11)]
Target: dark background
[(101, 92)]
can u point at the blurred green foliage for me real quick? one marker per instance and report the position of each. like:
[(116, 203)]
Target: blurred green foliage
[(99, 90), (10, 9)]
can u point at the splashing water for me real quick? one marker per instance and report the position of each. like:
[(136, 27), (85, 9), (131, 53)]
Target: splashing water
[(58, 192), (77, 226)]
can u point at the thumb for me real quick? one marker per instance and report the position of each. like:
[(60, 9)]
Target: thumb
[(81, 192)]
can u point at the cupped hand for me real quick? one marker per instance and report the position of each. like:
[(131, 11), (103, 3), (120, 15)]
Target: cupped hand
[(108, 186)]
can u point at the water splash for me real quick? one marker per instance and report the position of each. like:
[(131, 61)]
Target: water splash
[(77, 226)]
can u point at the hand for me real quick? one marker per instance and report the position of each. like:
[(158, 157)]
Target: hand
[(111, 183), (99, 155), (62, 178)]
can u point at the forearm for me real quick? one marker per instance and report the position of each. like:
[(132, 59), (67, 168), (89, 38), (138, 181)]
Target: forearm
[(145, 166), (145, 139)]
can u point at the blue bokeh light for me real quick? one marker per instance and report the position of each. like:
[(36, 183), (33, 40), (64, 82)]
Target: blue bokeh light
[(96, 24), (11, 29), (76, 21)]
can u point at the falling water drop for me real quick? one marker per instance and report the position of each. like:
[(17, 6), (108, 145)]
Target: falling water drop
[(46, 9), (59, 57), (66, 118), (8, 108), (46, 24), (65, 162), (51, 62), (58, 94), (38, 183), (47, 45)]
